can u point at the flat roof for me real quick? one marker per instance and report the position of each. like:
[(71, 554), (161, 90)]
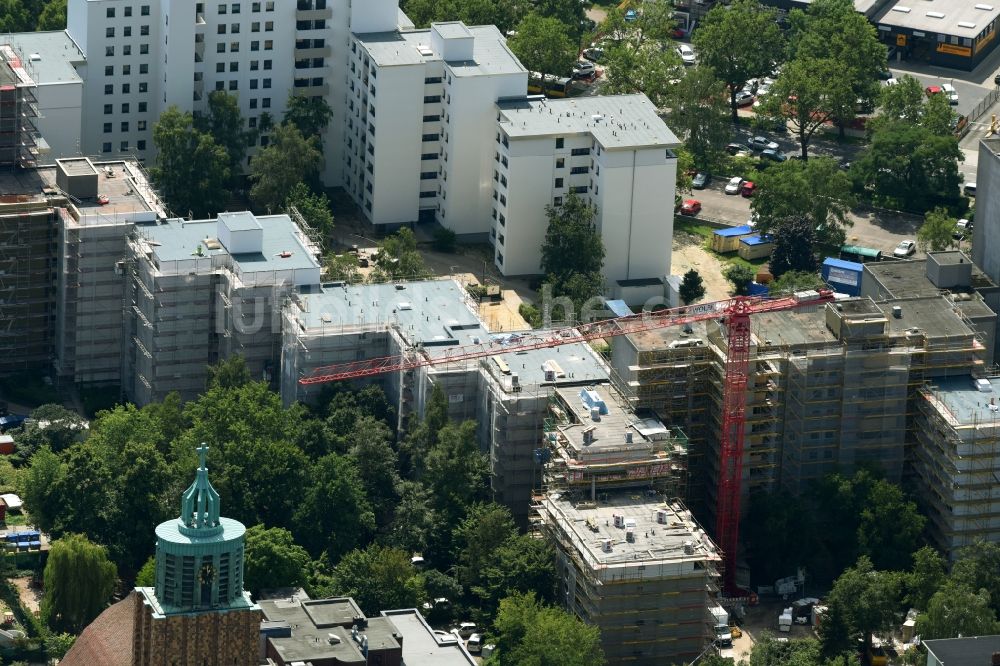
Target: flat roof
[(801, 326), (609, 430), (588, 524), (733, 231), (964, 402), (421, 647), (121, 181), (962, 18), (77, 166), (658, 339), (178, 240), (452, 30), (428, 312), (846, 265), (964, 651), (490, 52), (615, 121), (243, 221), (757, 239), (578, 363), (311, 642), (57, 50), (934, 316)]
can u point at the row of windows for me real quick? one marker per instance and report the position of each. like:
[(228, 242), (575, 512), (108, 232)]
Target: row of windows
[(234, 47), (254, 7), (123, 146), (234, 28), (126, 108), (109, 70), (125, 88), (127, 31), (109, 51), (140, 126), (143, 11)]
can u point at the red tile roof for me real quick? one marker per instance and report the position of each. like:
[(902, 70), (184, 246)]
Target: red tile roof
[(108, 639)]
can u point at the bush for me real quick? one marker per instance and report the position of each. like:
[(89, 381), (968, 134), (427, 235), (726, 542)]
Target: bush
[(531, 314), (444, 240), (477, 291), (740, 276)]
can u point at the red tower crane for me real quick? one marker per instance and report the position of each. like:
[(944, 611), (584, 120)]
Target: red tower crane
[(734, 313)]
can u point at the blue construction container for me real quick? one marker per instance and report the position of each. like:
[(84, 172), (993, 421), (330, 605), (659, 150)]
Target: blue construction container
[(843, 276)]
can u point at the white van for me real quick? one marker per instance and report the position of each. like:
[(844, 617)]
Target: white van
[(475, 644)]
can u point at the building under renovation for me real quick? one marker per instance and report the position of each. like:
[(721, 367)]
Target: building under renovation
[(830, 387), (957, 460), (19, 140)]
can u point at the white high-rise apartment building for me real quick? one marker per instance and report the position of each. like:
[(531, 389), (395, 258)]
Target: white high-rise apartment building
[(144, 56)]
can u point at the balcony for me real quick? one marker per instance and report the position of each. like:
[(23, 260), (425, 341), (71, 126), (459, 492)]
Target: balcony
[(314, 14)]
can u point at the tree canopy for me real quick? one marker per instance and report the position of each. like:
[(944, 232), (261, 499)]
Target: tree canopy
[(192, 170), (699, 116), (937, 231), (79, 580), (692, 287), (529, 633), (573, 252), (273, 559), (544, 45), (289, 159)]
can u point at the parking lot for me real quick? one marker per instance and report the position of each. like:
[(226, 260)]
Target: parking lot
[(878, 229)]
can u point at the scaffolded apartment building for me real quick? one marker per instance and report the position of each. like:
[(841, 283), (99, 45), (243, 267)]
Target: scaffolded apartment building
[(831, 386), (630, 558), (957, 460)]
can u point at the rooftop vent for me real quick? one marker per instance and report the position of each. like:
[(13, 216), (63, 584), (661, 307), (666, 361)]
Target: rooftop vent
[(966, 24), (935, 14), (425, 50), (985, 8), (901, 9), (897, 312), (35, 57), (333, 639)]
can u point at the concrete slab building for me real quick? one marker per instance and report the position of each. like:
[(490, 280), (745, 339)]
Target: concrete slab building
[(957, 460), (986, 231)]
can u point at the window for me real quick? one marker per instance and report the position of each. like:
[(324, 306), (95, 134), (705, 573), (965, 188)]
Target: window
[(254, 65), (428, 156), (142, 107), (253, 103), (253, 84), (126, 50), (268, 45), (128, 11), (109, 70), (144, 10), (234, 66), (578, 169), (255, 26), (235, 8), (143, 87), (109, 32), (430, 137), (220, 85), (559, 182), (431, 119), (559, 143), (107, 127), (233, 85), (124, 146), (125, 126), (143, 49), (108, 110), (557, 201), (267, 64), (579, 151), (141, 125), (109, 51), (267, 83), (255, 46), (106, 147), (222, 9), (560, 163), (432, 79), (126, 88), (126, 69), (111, 12), (234, 28), (220, 29), (266, 102), (220, 67), (109, 89), (268, 26), (432, 99), (220, 48), (125, 107), (143, 30)]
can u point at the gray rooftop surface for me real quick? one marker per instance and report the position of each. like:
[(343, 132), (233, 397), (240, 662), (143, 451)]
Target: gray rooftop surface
[(453, 30), (577, 360), (77, 166), (421, 647), (490, 52), (970, 651), (934, 316), (909, 278), (243, 221), (58, 53), (967, 404), (654, 542), (178, 240), (122, 196), (626, 121), (308, 641), (805, 326), (975, 15), (609, 431)]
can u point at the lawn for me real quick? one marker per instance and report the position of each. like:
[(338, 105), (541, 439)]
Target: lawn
[(696, 228)]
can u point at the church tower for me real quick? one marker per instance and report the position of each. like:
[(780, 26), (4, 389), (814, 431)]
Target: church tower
[(198, 612)]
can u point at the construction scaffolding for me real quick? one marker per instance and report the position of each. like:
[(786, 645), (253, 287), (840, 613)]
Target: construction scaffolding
[(19, 139)]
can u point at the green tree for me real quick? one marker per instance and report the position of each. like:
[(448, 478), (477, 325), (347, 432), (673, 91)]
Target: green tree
[(314, 208), (903, 102), (57, 645), (229, 373), (794, 246), (486, 527), (740, 276), (890, 527), (225, 124), (147, 574), (289, 159), (376, 462), (792, 281), (79, 580), (504, 14), (310, 115), (808, 93), (53, 17), (909, 167), (192, 169), (639, 54), (414, 519), (834, 30), (544, 45), (568, 12), (768, 651), (926, 576), (817, 191), (399, 256), (692, 287), (342, 267), (955, 610), (863, 601), (334, 482), (573, 252), (43, 475), (456, 471), (523, 564), (978, 567), (273, 559), (699, 115), (936, 233), (740, 41), (529, 633), (379, 578)]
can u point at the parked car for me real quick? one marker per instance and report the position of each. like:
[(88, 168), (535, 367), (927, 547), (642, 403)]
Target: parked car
[(690, 207), (890, 82), (905, 249), (744, 98), (701, 180), (773, 155), (734, 148), (734, 185), (11, 421), (631, 15), (466, 629), (748, 188), (969, 189), (583, 69), (594, 54), (950, 93), (762, 143), (933, 90), (475, 644), (962, 229), (686, 53)]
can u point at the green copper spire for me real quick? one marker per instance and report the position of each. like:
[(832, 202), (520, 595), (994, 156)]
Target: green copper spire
[(200, 502)]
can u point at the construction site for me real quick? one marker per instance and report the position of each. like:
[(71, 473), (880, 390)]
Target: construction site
[(957, 461)]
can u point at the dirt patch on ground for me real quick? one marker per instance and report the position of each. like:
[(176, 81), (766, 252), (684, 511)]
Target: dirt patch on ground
[(31, 597), (689, 252)]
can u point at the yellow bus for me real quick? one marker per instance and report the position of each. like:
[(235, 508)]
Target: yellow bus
[(549, 85)]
